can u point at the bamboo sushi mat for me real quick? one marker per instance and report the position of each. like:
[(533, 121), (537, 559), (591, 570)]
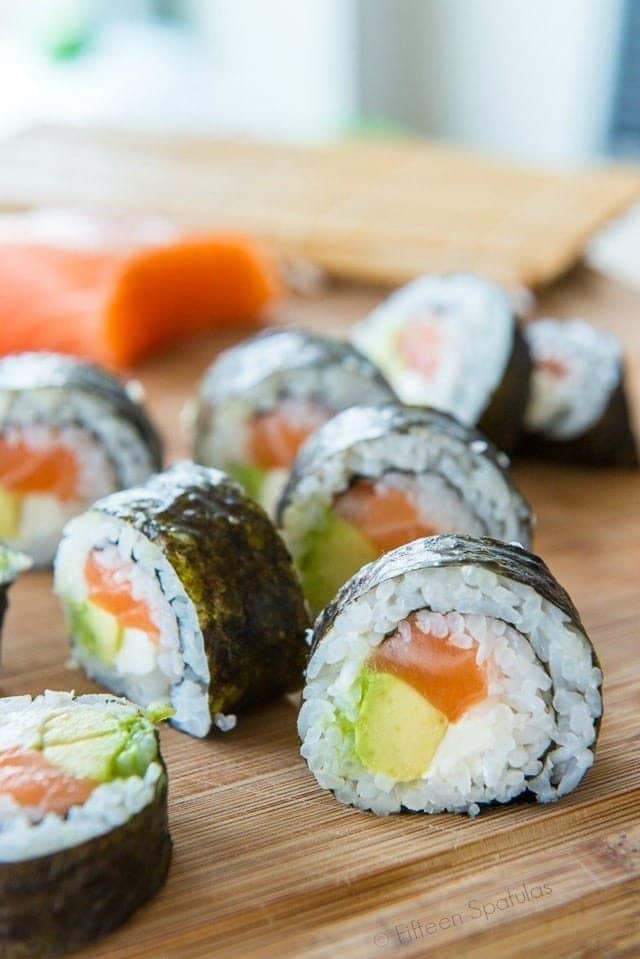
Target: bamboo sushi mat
[(380, 210)]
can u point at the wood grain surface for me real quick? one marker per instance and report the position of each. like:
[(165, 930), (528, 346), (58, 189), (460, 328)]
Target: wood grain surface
[(383, 211), (268, 865)]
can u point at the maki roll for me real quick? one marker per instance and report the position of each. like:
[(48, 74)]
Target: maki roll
[(260, 400), (376, 477), (450, 673), (453, 342), (69, 433), (11, 564), (181, 591), (578, 410), (84, 838)]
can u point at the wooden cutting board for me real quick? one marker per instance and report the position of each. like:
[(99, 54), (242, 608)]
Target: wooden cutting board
[(382, 211), (267, 865)]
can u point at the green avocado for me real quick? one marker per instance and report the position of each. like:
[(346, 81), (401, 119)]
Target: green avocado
[(251, 477), (98, 746), (398, 730), (10, 510), (333, 551), (97, 631)]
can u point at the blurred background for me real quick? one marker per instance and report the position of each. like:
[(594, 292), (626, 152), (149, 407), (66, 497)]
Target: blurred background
[(552, 82)]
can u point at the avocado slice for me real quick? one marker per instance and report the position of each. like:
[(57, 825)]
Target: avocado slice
[(251, 477), (398, 730), (96, 631), (93, 745), (333, 551), (10, 514)]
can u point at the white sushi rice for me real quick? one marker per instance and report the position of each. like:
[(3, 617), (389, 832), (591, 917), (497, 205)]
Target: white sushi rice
[(108, 449), (456, 485), (176, 671), (565, 406), (535, 730), (109, 805), (473, 321)]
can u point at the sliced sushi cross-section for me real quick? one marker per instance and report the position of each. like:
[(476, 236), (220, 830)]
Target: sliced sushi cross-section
[(84, 837), (259, 401), (69, 434), (376, 477), (452, 342), (578, 410), (182, 591), (453, 672)]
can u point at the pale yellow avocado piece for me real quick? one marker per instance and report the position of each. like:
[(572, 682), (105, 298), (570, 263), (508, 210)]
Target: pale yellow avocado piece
[(335, 550), (83, 742), (10, 514), (95, 630), (397, 731), (87, 759)]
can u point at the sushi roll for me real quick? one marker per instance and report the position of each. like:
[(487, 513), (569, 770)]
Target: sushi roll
[(578, 410), (69, 434), (84, 837), (453, 342), (450, 673), (376, 477), (11, 564), (181, 591), (260, 400)]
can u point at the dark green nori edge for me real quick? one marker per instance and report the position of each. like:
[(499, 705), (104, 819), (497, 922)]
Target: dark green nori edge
[(278, 350), (360, 424), (236, 570), (55, 903), (33, 371), (505, 559), (11, 564), (609, 442), (504, 414)]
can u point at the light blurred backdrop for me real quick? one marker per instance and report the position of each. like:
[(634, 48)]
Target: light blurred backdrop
[(552, 81)]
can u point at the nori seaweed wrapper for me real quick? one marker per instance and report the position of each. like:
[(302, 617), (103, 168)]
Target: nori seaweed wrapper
[(503, 417), (236, 570), (609, 442), (53, 371), (55, 903), (362, 423), (277, 350), (505, 559), (11, 564)]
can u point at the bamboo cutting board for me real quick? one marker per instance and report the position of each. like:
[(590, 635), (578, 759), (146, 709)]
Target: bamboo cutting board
[(267, 865), (383, 211)]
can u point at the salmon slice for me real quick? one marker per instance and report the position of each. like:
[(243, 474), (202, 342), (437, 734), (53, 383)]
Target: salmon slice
[(385, 515), (116, 309), (52, 470), (109, 588), (420, 345), (276, 436), (446, 675), (32, 781), (553, 366)]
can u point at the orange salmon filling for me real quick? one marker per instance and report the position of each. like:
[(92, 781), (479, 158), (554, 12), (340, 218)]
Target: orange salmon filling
[(31, 780), (420, 344), (110, 589), (384, 515), (276, 436), (557, 368), (53, 470), (446, 675)]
